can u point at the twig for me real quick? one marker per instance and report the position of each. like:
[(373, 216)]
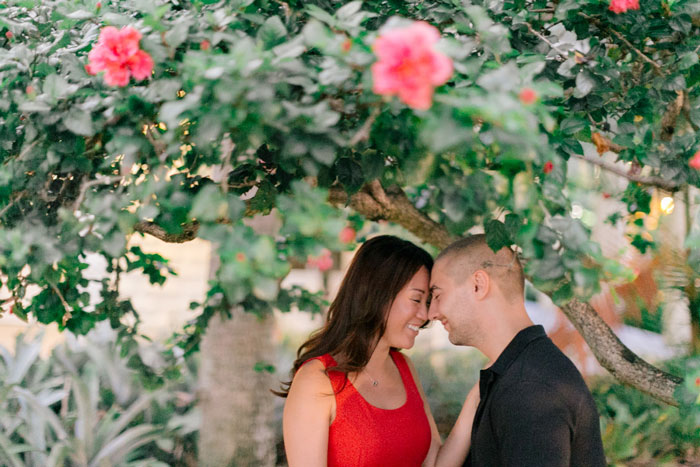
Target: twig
[(363, 133), (159, 146), (99, 181), (28, 148), (562, 53), (286, 8), (17, 197), (657, 67), (659, 182), (67, 315)]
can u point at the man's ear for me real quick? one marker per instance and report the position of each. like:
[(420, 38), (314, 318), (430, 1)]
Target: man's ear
[(481, 284)]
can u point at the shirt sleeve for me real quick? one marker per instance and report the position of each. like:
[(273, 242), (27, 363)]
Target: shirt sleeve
[(532, 425)]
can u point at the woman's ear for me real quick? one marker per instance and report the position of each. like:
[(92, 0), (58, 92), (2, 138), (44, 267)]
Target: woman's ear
[(481, 284)]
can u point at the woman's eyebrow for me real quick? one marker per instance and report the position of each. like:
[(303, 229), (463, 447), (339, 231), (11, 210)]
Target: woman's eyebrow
[(418, 290)]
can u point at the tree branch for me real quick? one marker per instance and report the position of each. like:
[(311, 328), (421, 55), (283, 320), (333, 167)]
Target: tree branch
[(620, 361), (363, 133), (375, 203), (658, 182), (189, 231), (392, 205)]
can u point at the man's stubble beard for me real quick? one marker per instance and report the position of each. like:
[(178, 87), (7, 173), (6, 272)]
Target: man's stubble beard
[(467, 335)]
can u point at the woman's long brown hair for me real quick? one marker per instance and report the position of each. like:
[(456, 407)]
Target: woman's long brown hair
[(357, 317)]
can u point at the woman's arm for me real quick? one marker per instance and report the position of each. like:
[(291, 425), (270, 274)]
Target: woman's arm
[(308, 413), (455, 449), (457, 444)]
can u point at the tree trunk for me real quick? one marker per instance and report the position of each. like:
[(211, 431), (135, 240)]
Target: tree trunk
[(235, 401)]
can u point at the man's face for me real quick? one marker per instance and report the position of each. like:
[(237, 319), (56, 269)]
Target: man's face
[(452, 304)]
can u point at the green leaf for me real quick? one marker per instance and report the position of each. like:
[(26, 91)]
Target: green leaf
[(584, 84), (177, 33), (687, 60), (563, 294), (265, 288), (264, 199), (572, 125), (497, 235), (453, 203), (271, 32), (79, 122), (674, 83), (549, 268), (264, 367), (81, 15), (58, 88), (681, 23), (349, 174), (641, 244), (209, 204), (316, 34), (513, 223), (319, 14), (34, 106), (573, 234), (348, 10)]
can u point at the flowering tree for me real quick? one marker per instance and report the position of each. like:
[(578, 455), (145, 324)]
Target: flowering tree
[(181, 120)]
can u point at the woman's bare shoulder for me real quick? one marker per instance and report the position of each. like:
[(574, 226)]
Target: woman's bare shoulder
[(311, 379)]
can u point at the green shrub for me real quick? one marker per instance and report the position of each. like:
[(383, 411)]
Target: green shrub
[(83, 406)]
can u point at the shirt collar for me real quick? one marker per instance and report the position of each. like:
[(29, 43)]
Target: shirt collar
[(516, 346)]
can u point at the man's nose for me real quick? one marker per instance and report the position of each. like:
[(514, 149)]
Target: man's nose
[(432, 311)]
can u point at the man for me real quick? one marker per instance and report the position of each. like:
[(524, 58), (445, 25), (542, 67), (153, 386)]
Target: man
[(535, 408)]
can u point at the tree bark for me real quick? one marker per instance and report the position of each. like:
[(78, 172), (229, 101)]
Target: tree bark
[(620, 361), (374, 202), (236, 405)]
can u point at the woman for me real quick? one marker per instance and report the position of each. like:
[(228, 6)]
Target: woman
[(354, 399)]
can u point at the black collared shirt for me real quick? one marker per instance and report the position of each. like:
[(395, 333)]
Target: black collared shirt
[(535, 409)]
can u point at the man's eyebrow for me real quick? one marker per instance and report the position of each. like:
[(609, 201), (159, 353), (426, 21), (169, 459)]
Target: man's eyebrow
[(434, 288)]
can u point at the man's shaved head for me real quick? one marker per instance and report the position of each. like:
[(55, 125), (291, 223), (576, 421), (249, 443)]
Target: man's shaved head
[(467, 255)]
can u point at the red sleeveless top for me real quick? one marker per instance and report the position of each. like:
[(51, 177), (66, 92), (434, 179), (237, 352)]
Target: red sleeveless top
[(363, 435)]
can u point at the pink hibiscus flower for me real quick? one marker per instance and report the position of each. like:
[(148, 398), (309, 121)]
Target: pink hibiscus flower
[(695, 161), (621, 6), (323, 262), (409, 66), (117, 53)]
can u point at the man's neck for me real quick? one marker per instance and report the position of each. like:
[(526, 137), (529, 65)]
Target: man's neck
[(500, 336)]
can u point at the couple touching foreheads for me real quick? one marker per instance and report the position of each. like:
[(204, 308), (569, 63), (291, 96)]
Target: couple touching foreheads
[(356, 400)]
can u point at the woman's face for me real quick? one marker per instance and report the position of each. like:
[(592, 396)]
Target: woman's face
[(408, 312)]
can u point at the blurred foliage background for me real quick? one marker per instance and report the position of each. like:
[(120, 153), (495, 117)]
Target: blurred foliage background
[(258, 131)]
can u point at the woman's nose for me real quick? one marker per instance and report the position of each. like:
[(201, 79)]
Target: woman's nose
[(423, 312)]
